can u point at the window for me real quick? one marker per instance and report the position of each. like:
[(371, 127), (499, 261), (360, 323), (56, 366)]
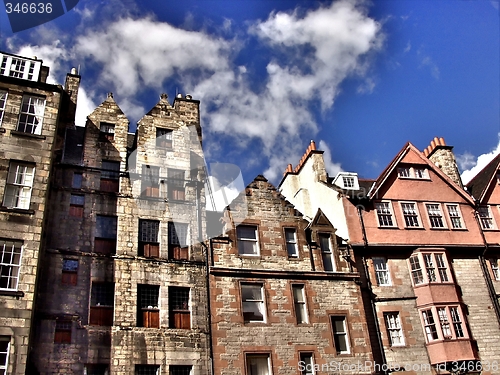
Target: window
[(110, 176), (485, 217), (429, 325), (31, 116), (107, 131), (102, 299), (326, 252), (348, 181), (299, 302), (20, 68), (179, 370), (444, 322), (105, 234), (455, 217), (77, 181), (147, 370), (494, 268), (175, 184), (178, 241), (382, 271), (147, 304), (412, 172), (410, 214), (150, 181), (149, 243), (420, 172), (435, 215), (76, 203), (10, 263), (457, 322), (394, 330), (340, 335), (247, 240), (18, 186), (164, 138), (416, 270), (96, 370), (3, 101), (258, 364), (179, 313), (306, 365), (404, 172), (69, 274), (436, 268), (384, 214), (252, 296), (62, 333), (4, 354), (291, 242)]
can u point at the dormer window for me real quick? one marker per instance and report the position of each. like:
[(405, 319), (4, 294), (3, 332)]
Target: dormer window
[(347, 181), (413, 172)]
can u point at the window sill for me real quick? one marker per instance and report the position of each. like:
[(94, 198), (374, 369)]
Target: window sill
[(13, 293), (293, 258), (414, 178), (17, 210), (414, 228), (439, 228), (249, 255), (393, 227), (28, 135)]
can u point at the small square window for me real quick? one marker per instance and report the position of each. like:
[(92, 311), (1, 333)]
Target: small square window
[(254, 309), (248, 243), (107, 131), (69, 272), (291, 242), (164, 138)]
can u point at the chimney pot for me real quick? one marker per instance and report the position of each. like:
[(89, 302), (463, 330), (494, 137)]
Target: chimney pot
[(313, 145), (110, 94), (441, 140), (73, 71), (163, 96), (188, 97), (433, 144)]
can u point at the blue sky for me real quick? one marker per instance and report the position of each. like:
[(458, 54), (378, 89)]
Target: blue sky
[(360, 78)]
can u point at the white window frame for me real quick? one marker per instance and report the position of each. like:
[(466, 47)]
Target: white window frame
[(260, 357), (327, 256), (433, 267), (4, 366), (494, 268), (3, 103), (414, 173), (307, 363), (30, 70), (394, 329), (455, 216), (435, 213), (385, 212), (429, 324), (417, 274), (348, 182), (382, 273), (259, 303), (300, 303), (33, 115), (241, 240), (487, 222), (340, 334), (449, 324), (291, 244), (410, 212), (19, 185)]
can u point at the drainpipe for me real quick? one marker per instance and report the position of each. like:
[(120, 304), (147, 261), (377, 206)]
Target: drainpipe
[(486, 273), (371, 294)]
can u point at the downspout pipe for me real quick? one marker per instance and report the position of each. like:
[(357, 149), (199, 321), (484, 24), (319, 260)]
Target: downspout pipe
[(370, 292), (486, 273)]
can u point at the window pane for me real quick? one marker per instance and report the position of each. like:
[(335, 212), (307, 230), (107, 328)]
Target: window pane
[(106, 227), (10, 263), (252, 302), (258, 364)]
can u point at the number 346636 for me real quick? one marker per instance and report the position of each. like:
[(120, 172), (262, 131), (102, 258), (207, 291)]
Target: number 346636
[(28, 8)]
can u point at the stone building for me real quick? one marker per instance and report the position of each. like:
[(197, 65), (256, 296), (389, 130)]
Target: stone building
[(284, 293), (32, 118), (416, 241), (124, 284)]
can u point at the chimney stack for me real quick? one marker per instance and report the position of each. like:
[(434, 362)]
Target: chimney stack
[(442, 156)]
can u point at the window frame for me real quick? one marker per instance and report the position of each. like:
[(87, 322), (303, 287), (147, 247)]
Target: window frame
[(453, 323), (4, 366), (146, 246), (412, 174), (148, 316), (139, 368), (150, 181), (12, 267), (394, 325), (102, 314), (164, 140), (433, 272), (482, 219), (76, 207), (244, 240), (433, 217), (381, 271), (259, 303), (174, 369), (337, 334), (106, 131), (179, 317), (29, 71), (291, 243), (383, 214), (63, 331), (300, 306), (406, 214), (109, 180), (14, 190), (495, 270), (178, 250), (175, 186), (302, 356), (105, 244), (327, 254), (69, 274), (37, 103), (3, 104)]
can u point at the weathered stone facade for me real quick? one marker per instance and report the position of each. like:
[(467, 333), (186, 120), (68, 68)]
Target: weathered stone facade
[(282, 335)]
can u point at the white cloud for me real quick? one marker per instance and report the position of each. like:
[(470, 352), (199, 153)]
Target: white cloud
[(473, 167), (408, 47), (331, 167), (84, 107)]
